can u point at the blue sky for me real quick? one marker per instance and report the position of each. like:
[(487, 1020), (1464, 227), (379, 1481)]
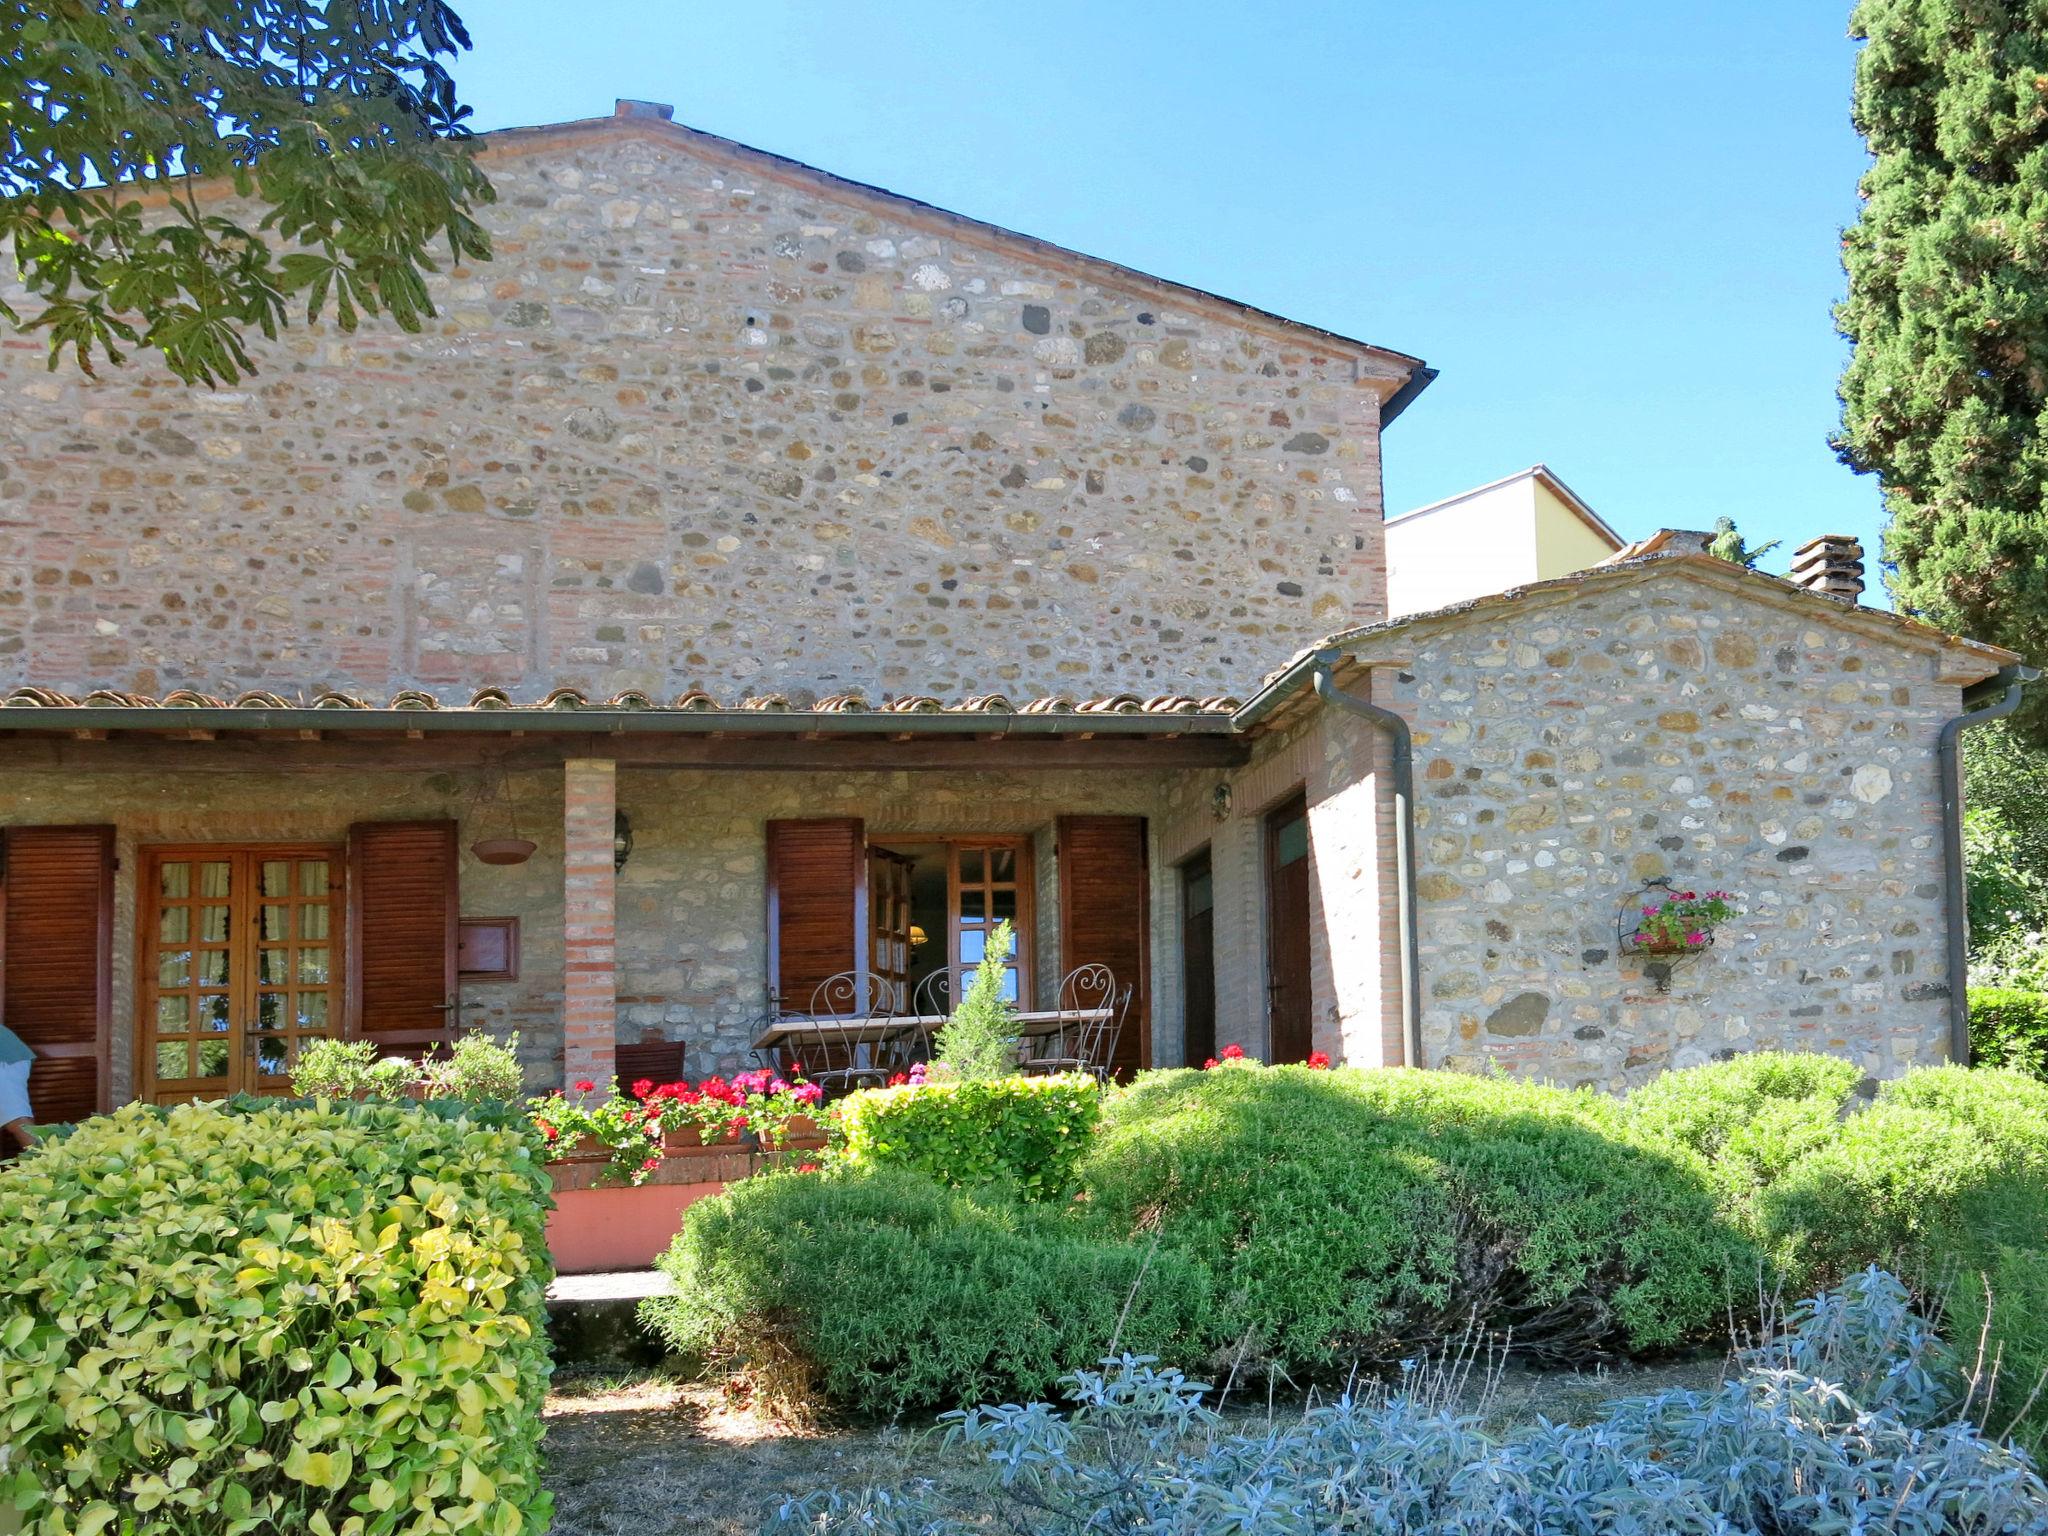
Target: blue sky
[(1612, 226)]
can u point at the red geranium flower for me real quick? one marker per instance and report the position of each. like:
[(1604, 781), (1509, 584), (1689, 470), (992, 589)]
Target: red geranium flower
[(1209, 1065), (1233, 1053), (548, 1131), (585, 1085), (643, 1088), (1318, 1061)]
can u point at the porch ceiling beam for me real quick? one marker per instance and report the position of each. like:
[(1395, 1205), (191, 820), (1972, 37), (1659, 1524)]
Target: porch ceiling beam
[(286, 753)]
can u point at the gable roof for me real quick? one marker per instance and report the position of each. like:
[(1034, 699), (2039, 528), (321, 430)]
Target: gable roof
[(1283, 692), (1399, 376), (1544, 476)]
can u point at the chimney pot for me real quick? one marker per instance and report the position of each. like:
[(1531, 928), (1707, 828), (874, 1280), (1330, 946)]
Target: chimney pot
[(659, 111), (1831, 565)]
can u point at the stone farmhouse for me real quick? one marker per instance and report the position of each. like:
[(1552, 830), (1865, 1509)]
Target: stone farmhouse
[(804, 579)]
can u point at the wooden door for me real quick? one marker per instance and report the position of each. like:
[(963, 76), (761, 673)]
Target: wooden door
[(240, 962), (1105, 916), (817, 907), (889, 927), (404, 934), (1289, 1008), (1198, 958), (988, 881), (56, 962)]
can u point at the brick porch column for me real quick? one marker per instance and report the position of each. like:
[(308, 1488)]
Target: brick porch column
[(589, 917)]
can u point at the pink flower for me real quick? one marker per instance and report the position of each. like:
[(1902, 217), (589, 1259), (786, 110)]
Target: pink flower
[(778, 1086), (808, 1093), (1695, 937)]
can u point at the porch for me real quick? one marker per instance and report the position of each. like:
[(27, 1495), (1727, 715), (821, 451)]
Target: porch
[(194, 890)]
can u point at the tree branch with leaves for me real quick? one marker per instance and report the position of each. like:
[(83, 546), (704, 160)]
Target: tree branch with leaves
[(334, 124)]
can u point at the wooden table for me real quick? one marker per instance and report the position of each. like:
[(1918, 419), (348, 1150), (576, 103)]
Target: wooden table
[(881, 1029)]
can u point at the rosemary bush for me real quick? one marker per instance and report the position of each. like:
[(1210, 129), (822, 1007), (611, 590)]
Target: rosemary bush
[(1858, 1421)]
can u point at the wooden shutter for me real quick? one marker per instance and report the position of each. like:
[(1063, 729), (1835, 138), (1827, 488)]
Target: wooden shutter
[(817, 905), (56, 962), (1105, 907), (402, 933)]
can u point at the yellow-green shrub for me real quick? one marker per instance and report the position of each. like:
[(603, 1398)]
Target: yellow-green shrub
[(1028, 1132), (276, 1317)]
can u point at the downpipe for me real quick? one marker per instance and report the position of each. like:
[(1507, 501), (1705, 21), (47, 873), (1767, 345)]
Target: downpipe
[(2007, 685), (1396, 730)]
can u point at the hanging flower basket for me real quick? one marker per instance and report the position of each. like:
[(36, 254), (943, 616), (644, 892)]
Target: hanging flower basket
[(503, 850), (1665, 926)]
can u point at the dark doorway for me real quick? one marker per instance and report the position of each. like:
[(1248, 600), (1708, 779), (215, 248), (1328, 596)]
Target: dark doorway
[(1287, 984), (1198, 957)]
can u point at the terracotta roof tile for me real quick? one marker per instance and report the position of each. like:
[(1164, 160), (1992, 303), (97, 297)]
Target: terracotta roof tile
[(569, 699)]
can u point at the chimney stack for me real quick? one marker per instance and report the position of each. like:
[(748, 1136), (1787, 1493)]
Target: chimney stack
[(1831, 565), (659, 111)]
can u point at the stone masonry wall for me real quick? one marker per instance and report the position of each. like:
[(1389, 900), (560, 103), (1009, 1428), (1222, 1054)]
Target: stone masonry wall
[(1568, 751), (703, 422)]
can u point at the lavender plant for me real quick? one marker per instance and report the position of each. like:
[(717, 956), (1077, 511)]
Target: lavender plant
[(1856, 1421)]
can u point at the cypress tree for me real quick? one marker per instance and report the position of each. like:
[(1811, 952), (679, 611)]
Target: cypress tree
[(1945, 395)]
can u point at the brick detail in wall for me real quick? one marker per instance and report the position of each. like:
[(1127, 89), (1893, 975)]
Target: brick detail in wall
[(590, 918)]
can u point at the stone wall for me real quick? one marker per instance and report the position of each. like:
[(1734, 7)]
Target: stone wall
[(705, 421), (1570, 749)]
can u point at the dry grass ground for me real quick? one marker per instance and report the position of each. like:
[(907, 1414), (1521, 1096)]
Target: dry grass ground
[(650, 1455)]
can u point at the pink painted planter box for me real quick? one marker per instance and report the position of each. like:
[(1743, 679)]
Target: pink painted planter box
[(596, 1227)]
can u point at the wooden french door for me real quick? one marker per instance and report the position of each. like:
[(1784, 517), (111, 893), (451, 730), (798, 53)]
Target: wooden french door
[(988, 881), (240, 962), (1198, 958), (1289, 1007)]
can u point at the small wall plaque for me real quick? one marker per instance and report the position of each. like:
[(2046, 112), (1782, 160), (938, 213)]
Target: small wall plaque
[(487, 949)]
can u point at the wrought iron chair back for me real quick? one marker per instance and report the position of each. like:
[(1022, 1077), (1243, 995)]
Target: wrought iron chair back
[(839, 1046), (1091, 1010), (931, 999)]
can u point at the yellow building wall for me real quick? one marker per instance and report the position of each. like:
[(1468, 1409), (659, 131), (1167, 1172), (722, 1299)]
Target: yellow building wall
[(1563, 541), (1506, 535)]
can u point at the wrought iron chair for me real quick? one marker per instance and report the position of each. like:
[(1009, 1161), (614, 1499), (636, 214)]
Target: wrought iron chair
[(1091, 1020), (839, 1046), (932, 998)]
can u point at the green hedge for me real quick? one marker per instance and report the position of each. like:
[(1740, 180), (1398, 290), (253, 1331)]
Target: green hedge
[(263, 1316), (1027, 1132), (2009, 1028), (885, 1291), (1750, 1118), (1355, 1215)]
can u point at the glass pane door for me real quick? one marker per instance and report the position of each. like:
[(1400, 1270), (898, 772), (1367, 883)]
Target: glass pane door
[(238, 967), (988, 884)]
